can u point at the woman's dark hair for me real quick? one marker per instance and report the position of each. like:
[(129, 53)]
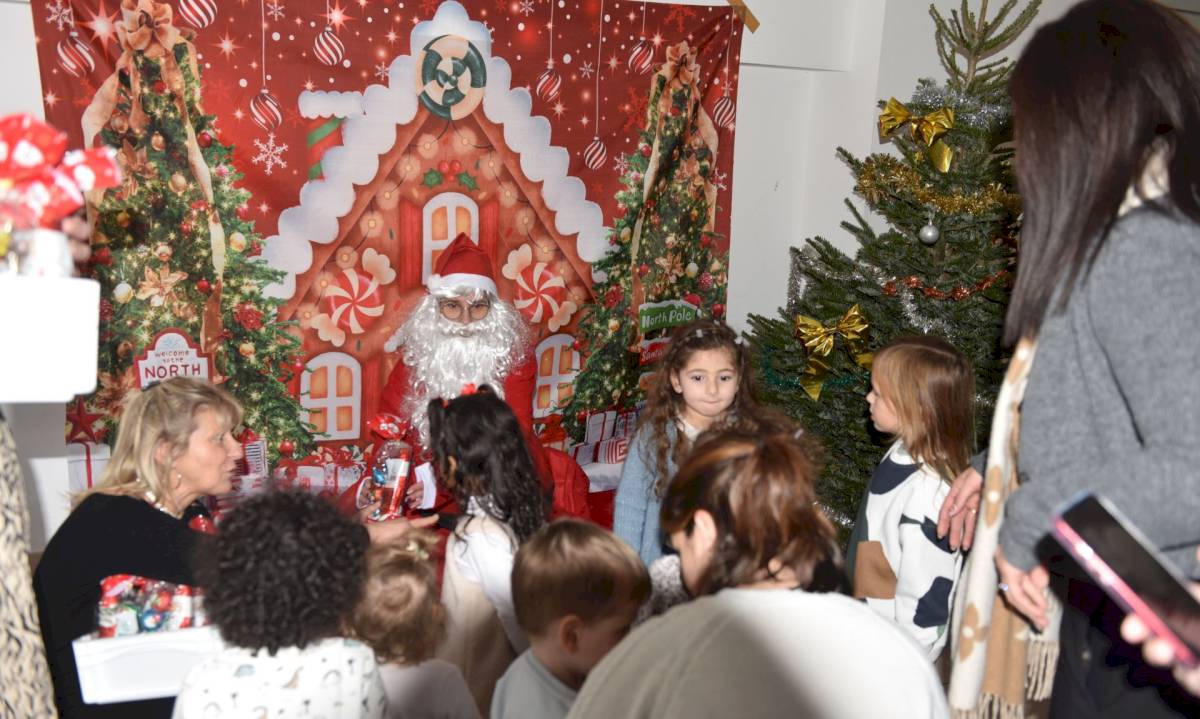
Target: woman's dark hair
[(664, 405), (758, 487), (1095, 95), (283, 571), (491, 459)]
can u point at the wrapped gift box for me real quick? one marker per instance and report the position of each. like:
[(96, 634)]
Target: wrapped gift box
[(141, 666)]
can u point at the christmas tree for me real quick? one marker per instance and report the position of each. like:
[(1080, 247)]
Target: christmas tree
[(941, 267), (174, 247), (665, 266)]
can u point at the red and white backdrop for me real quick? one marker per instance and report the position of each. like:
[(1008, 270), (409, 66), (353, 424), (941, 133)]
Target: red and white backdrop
[(370, 133)]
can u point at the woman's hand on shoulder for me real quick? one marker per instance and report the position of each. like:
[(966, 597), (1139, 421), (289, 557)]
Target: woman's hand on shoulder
[(957, 517)]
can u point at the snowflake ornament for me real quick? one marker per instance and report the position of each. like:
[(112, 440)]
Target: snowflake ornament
[(381, 71), (275, 10), (719, 179), (269, 154), (621, 164), (526, 7), (587, 70), (60, 15)]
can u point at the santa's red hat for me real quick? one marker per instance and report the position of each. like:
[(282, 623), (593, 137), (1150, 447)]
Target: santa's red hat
[(462, 264)]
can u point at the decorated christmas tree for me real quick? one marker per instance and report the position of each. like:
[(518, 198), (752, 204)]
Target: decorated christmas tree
[(665, 266), (943, 266), (174, 250)]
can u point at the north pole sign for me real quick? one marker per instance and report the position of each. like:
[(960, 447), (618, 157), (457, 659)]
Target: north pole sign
[(172, 354)]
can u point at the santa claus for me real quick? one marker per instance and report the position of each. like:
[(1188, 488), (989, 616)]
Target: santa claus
[(463, 335)]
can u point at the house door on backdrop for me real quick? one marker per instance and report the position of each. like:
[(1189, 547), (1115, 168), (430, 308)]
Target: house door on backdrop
[(442, 219)]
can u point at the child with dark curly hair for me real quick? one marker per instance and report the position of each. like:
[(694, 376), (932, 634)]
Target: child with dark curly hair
[(280, 578), (481, 457), (400, 617)]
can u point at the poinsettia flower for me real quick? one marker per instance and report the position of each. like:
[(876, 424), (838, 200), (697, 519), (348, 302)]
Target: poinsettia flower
[(159, 287), (388, 195), (114, 388), (563, 317), (378, 266), (518, 260), (328, 330), (371, 224), (248, 316)]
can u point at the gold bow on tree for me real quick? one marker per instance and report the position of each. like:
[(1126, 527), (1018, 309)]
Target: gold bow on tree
[(925, 128), (819, 340)]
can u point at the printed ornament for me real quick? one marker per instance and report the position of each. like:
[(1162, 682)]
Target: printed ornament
[(641, 57), (540, 294), (724, 112), (452, 77), (123, 292), (74, 56), (549, 84), (198, 13), (264, 108), (595, 155), (328, 47), (353, 300)]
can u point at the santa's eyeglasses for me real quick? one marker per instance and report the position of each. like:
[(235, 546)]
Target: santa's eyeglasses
[(457, 309)]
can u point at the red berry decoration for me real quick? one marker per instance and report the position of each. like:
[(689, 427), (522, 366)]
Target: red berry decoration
[(456, 167), (286, 447), (204, 286), (443, 167), (185, 227), (889, 288), (718, 310), (577, 346), (204, 139)]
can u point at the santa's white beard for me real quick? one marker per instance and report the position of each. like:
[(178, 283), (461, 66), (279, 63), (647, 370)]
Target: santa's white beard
[(442, 355)]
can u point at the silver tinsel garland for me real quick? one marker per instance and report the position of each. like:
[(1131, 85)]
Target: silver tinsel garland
[(969, 110)]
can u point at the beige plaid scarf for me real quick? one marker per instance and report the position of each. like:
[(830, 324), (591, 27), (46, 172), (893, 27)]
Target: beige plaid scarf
[(999, 661)]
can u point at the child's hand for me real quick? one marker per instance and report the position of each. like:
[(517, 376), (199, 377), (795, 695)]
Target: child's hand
[(416, 493), (390, 530), (958, 514)]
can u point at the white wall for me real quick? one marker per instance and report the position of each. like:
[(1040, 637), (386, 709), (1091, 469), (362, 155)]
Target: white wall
[(811, 76)]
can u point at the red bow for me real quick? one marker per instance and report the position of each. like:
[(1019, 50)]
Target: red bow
[(468, 388)]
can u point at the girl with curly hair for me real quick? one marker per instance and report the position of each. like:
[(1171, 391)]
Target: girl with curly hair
[(481, 457), (280, 578), (704, 381)]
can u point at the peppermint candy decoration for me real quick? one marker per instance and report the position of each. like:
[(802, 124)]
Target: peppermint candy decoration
[(595, 155), (453, 75), (328, 47), (723, 112), (641, 57), (74, 56), (539, 293), (198, 13), (549, 83), (264, 108), (353, 300)]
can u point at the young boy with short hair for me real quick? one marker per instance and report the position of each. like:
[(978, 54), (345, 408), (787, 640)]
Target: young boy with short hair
[(576, 590)]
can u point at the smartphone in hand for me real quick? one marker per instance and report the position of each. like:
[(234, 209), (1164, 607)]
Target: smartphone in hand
[(1131, 571)]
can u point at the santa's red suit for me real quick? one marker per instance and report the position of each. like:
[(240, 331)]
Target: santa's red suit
[(556, 468)]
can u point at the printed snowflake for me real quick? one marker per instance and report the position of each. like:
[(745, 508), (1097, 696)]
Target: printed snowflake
[(719, 179), (269, 154), (621, 164), (275, 10), (679, 15), (60, 14), (381, 71), (526, 7), (587, 70)]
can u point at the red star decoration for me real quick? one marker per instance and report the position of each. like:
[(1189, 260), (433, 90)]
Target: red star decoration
[(83, 423)]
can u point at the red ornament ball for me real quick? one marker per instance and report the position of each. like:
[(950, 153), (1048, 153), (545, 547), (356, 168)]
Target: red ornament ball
[(160, 87), (577, 346), (645, 150), (102, 256), (718, 310), (692, 299), (204, 139), (204, 286), (581, 415), (286, 447), (644, 269), (705, 281), (456, 167)]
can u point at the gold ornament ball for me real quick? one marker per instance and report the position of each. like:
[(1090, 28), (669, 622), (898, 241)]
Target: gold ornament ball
[(120, 123), (692, 269), (123, 219), (625, 233), (123, 292), (614, 325), (246, 349), (237, 241), (158, 142), (178, 183), (163, 252)]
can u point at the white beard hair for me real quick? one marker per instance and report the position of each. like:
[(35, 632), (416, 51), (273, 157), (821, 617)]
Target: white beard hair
[(442, 355)]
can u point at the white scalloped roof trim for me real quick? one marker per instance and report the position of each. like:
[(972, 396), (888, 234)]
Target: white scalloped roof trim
[(369, 131)]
